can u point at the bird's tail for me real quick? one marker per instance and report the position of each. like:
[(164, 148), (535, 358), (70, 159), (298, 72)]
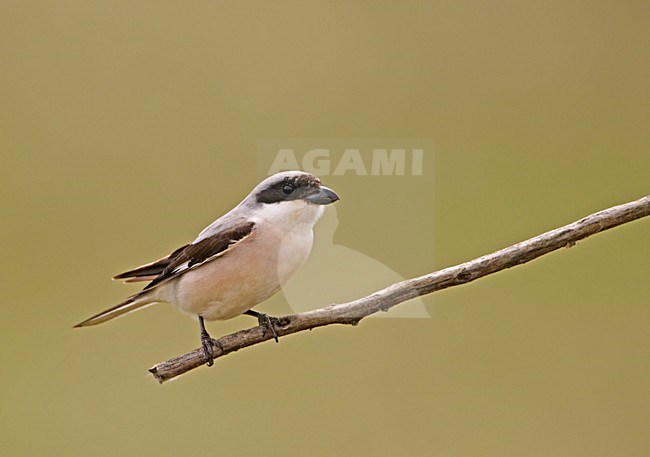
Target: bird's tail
[(130, 304)]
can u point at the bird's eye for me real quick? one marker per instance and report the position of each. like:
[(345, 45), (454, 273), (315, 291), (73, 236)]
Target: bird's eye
[(287, 189)]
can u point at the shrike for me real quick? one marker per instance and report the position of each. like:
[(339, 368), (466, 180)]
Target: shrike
[(239, 260)]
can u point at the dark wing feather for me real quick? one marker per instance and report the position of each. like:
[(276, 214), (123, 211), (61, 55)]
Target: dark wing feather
[(151, 269), (203, 251)]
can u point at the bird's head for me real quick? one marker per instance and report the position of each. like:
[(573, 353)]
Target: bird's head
[(293, 194)]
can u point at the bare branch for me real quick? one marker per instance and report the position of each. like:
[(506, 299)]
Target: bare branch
[(351, 313)]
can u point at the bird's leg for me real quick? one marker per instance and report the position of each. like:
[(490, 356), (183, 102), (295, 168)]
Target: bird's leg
[(206, 342), (264, 321)]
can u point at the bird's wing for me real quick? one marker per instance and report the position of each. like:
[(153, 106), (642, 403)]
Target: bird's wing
[(151, 270), (204, 249)]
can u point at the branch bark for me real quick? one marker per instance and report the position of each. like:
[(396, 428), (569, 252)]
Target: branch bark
[(351, 313)]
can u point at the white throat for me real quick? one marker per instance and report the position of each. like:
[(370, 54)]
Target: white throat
[(289, 214)]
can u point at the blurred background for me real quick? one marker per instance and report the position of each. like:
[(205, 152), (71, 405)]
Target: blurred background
[(126, 127)]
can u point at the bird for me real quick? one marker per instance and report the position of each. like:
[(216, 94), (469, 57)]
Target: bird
[(236, 262)]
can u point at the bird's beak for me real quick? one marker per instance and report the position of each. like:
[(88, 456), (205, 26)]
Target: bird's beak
[(323, 196)]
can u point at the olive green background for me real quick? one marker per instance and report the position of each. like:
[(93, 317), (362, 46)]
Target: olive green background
[(126, 127)]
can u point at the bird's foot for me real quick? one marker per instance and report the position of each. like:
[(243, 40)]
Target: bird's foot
[(266, 322), (206, 342), (208, 354)]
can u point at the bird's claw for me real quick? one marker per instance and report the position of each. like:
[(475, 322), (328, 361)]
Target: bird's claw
[(266, 322), (208, 353)]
